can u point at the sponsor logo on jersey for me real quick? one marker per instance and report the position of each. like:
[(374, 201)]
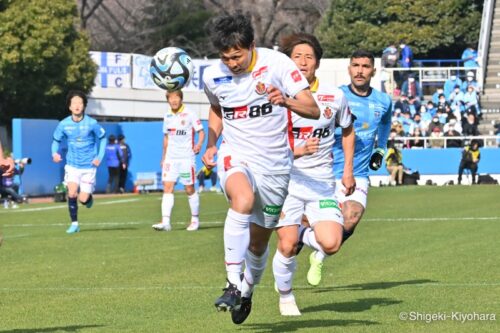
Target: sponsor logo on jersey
[(273, 210), (328, 203), (259, 73), (326, 98), (296, 76), (174, 131), (223, 79), (243, 112), (304, 133), (328, 113), (239, 112), (260, 88)]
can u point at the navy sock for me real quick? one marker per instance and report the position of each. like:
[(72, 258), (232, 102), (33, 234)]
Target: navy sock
[(73, 209), (346, 234)]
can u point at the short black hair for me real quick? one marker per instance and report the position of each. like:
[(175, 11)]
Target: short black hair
[(121, 137), (290, 41), (363, 54), (231, 31), (73, 93), (112, 138)]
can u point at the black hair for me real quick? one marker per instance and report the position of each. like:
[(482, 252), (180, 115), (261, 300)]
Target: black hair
[(121, 137), (73, 93), (231, 31), (290, 41), (363, 54), (112, 138)]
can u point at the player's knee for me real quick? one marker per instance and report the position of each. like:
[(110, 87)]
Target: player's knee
[(242, 204), (287, 247), (331, 246)]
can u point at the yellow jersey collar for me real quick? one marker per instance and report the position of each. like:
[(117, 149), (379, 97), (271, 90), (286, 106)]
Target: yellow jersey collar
[(253, 61), (178, 111), (314, 86)]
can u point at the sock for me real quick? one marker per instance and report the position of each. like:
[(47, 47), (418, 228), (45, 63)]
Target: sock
[(167, 203), (73, 209), (310, 240), (346, 234), (236, 240), (194, 204), (74, 223), (283, 270), (254, 269)]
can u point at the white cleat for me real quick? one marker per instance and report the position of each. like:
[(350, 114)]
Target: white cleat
[(193, 226), (289, 308), (162, 227)]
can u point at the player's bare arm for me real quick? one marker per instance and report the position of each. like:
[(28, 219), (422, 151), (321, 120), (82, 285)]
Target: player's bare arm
[(310, 147), (165, 145), (214, 131), (201, 138), (303, 104), (96, 162), (348, 142)]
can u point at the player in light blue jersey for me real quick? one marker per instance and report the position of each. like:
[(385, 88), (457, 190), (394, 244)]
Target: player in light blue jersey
[(86, 141), (371, 110)]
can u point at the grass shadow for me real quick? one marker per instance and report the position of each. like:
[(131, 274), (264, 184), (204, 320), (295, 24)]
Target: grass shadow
[(359, 305), (299, 325), (108, 229), (373, 285), (73, 328)]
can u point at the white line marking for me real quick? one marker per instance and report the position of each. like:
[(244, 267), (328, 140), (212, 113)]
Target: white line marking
[(102, 224), (407, 219), (22, 210)]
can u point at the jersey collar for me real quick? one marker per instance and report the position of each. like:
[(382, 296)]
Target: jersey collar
[(252, 62), (314, 86), (179, 111)]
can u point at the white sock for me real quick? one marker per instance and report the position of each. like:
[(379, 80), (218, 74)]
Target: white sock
[(286, 298), (194, 204), (167, 203), (74, 223), (320, 256), (310, 240), (254, 269), (283, 270), (236, 240)]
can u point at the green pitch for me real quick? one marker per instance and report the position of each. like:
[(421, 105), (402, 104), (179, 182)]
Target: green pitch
[(422, 260)]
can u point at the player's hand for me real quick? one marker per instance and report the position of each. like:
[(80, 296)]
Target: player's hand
[(56, 158), (96, 162), (349, 184), (196, 149), (275, 96), (311, 146), (376, 159), (7, 166), (209, 157)]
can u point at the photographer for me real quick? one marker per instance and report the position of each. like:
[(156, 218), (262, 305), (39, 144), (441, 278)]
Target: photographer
[(8, 186), (470, 160), (394, 163)]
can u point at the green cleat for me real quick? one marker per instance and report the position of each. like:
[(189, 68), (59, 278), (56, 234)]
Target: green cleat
[(314, 273)]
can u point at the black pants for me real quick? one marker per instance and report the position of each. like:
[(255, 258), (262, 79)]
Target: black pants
[(202, 177), (467, 165), (114, 177), (12, 192), (123, 178)]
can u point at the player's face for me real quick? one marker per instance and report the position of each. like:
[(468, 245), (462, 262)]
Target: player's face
[(237, 59), (305, 59), (361, 71), (76, 106), (175, 101)]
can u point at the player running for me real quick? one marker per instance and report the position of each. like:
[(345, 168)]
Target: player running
[(312, 188), (83, 134), (177, 160), (250, 90), (371, 111)]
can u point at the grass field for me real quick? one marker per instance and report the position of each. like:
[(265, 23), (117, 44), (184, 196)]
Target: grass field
[(419, 251)]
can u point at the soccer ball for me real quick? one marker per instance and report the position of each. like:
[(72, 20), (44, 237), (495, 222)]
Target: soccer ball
[(171, 68)]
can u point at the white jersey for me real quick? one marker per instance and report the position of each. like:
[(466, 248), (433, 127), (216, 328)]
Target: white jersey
[(253, 129), (180, 128), (334, 110)]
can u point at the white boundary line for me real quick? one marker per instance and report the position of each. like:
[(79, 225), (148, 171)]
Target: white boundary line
[(23, 210)]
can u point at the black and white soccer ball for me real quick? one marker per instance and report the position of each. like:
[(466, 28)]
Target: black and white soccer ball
[(171, 68)]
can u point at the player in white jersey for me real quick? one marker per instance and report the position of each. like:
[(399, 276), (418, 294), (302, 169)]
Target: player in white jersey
[(311, 191), (177, 160), (251, 91)]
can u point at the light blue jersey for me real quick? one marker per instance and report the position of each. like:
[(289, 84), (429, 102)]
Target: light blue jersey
[(372, 118), (83, 140)]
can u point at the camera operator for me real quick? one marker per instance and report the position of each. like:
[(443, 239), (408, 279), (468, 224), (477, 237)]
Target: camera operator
[(6, 164), (394, 163), (8, 187)]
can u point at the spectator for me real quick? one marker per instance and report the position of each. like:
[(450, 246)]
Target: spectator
[(204, 174), (437, 93), (417, 141), (469, 57), (470, 99), (470, 82), (114, 159), (402, 104), (435, 123), (450, 84), (389, 60), (394, 163), (406, 54), (431, 108), (411, 87), (407, 122), (425, 119), (469, 128), (456, 100), (442, 103), (435, 141), (6, 164), (451, 132), (127, 155), (470, 160), (8, 187), (453, 123)]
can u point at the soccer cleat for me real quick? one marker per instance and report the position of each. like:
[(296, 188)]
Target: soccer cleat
[(89, 202), (193, 226), (73, 229), (289, 308), (240, 313), (314, 273), (162, 227), (229, 299)]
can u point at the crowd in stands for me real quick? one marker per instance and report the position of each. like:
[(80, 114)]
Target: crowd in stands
[(453, 111)]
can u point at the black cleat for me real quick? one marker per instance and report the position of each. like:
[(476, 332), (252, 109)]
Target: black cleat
[(241, 312), (230, 299)]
